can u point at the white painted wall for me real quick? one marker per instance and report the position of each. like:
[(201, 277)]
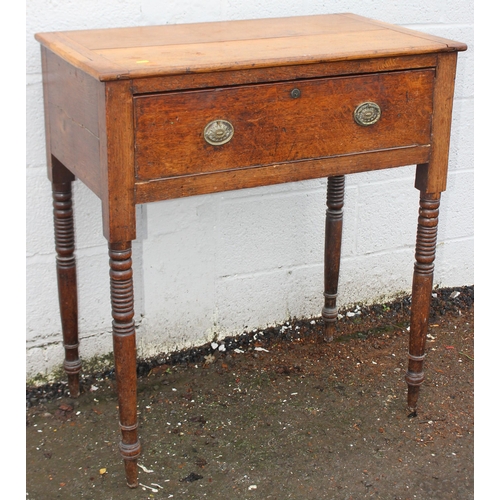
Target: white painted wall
[(239, 260)]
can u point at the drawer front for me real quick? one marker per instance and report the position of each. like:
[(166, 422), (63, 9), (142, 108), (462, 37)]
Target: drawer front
[(192, 132)]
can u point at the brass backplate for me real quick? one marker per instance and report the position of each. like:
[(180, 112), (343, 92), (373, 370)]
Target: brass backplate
[(218, 132), (367, 114)]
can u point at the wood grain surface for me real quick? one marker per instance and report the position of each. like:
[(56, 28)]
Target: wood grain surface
[(110, 54), (270, 126)]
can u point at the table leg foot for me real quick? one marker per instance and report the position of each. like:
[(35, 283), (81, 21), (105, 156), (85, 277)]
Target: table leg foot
[(413, 391), (66, 280), (333, 241), (425, 253), (131, 469)]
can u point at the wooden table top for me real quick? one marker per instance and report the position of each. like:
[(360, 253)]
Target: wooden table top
[(137, 52)]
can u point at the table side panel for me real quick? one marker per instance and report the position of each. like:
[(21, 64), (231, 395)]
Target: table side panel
[(71, 101)]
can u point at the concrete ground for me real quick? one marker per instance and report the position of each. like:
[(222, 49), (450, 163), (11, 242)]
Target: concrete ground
[(275, 414)]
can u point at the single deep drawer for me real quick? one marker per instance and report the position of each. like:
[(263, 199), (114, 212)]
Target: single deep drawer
[(190, 132)]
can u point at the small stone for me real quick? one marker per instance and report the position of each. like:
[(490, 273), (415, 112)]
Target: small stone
[(209, 359), (454, 294), (191, 478)]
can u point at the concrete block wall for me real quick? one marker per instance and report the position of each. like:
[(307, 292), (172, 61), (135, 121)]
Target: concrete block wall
[(225, 263)]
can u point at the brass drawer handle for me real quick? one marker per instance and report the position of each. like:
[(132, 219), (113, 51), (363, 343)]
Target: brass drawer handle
[(218, 132), (367, 114)]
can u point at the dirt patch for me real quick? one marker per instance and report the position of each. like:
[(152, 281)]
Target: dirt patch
[(275, 414)]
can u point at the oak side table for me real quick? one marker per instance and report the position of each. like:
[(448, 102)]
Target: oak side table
[(152, 113)]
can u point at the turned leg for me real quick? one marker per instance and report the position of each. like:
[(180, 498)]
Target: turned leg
[(66, 280), (421, 292), (124, 347), (333, 241)]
